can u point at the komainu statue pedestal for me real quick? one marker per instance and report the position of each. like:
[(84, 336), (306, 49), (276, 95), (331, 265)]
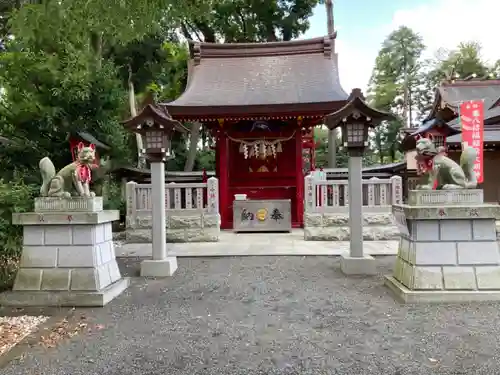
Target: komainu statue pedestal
[(448, 250), (68, 257)]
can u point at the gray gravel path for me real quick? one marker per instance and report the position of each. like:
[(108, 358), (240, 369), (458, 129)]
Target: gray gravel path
[(272, 315)]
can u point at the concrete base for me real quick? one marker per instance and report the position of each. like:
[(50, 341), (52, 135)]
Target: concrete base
[(64, 298), (335, 227), (358, 265), (405, 295), (159, 268)]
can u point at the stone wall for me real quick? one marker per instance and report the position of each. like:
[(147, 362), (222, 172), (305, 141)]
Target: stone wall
[(67, 257), (335, 227), (181, 227), (449, 254)]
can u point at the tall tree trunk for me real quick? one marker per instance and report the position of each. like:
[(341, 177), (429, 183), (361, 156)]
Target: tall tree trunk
[(141, 162), (332, 133), (405, 92), (96, 40), (194, 138)]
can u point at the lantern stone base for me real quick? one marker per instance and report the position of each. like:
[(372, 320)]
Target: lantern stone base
[(68, 257), (409, 296), (54, 298), (377, 226), (200, 227), (447, 252), (365, 265), (159, 268)]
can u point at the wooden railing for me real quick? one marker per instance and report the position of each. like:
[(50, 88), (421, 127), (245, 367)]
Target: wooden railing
[(333, 195), (180, 199)]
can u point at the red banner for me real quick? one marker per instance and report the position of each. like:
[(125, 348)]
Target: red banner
[(472, 121)]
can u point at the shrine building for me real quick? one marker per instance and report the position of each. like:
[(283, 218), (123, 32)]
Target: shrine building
[(261, 101), (443, 124)]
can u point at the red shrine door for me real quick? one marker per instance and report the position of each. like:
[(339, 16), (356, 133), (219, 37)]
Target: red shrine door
[(262, 165)]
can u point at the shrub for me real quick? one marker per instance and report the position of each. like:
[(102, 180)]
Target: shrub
[(14, 197), (114, 199)]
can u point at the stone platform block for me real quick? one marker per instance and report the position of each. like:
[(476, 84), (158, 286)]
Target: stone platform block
[(66, 257), (159, 268), (441, 198), (65, 218), (335, 227), (407, 295), (202, 227), (366, 265), (73, 204), (68, 298), (448, 251)]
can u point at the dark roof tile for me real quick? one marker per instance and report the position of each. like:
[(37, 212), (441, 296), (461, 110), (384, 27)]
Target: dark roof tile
[(456, 93), (260, 74)]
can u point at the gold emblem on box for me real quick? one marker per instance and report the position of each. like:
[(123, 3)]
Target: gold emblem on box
[(261, 214)]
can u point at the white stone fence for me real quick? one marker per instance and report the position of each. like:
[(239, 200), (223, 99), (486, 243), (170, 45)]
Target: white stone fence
[(332, 196), (192, 211), (326, 207)]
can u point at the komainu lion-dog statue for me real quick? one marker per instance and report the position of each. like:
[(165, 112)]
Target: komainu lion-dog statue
[(441, 172), (73, 180)]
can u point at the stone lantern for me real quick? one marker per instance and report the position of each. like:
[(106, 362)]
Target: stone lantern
[(156, 127), (355, 119)]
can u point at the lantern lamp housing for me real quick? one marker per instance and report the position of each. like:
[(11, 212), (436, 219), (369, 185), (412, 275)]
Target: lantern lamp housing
[(355, 135), (156, 127), (355, 119)]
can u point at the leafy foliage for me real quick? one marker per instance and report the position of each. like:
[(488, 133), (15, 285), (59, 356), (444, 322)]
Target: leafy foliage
[(251, 21), (46, 97), (463, 62), (14, 197), (321, 140), (394, 84)]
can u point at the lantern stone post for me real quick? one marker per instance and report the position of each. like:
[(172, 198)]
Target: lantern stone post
[(157, 127), (355, 181), (159, 234), (355, 119)]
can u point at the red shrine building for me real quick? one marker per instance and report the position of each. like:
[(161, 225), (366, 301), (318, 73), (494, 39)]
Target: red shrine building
[(261, 102)]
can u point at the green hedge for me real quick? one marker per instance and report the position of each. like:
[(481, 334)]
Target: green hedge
[(15, 196)]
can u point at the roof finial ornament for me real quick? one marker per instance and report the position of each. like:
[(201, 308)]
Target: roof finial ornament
[(356, 93)]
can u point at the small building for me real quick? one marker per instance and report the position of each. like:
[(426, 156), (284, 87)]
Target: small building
[(445, 112), (260, 101)]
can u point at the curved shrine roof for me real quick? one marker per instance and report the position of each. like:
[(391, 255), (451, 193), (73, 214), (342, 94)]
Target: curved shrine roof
[(248, 79)]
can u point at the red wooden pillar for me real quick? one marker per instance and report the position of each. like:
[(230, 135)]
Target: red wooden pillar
[(222, 161), (299, 192)]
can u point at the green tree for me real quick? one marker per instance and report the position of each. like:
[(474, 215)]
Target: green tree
[(231, 21), (60, 71), (393, 86), (321, 140), (46, 97), (157, 64), (97, 28), (463, 62), (234, 21)]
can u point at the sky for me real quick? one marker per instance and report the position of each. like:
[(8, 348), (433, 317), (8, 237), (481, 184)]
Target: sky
[(362, 26)]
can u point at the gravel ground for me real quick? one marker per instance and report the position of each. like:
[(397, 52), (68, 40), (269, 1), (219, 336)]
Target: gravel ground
[(13, 329), (272, 315)]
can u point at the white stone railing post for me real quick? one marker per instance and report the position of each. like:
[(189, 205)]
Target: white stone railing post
[(371, 192), (131, 202), (397, 190), (335, 194), (213, 195), (310, 194)]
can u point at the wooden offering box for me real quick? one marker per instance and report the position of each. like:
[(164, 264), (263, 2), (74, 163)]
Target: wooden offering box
[(270, 215)]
